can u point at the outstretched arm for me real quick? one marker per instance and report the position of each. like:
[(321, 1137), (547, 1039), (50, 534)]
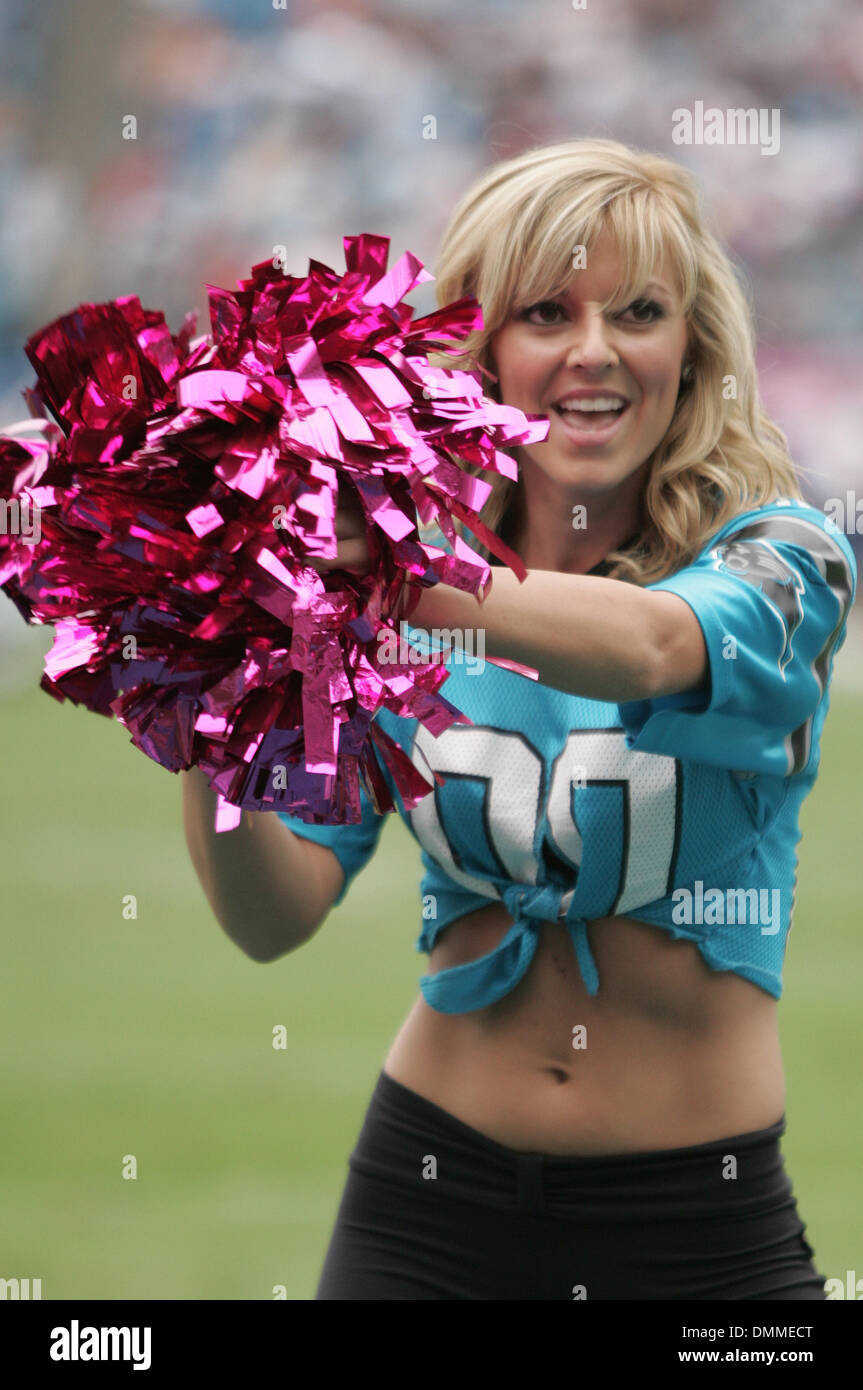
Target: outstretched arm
[(600, 638), (585, 635)]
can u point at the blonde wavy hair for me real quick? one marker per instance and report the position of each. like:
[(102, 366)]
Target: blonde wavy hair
[(510, 243)]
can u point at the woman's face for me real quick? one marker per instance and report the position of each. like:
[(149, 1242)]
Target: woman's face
[(626, 362)]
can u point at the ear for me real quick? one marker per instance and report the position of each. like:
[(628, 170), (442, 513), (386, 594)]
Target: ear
[(687, 375), (489, 377)]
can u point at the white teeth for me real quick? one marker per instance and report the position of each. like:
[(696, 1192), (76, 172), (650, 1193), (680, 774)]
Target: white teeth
[(594, 403)]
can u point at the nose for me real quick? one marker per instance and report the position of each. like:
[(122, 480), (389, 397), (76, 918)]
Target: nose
[(591, 347)]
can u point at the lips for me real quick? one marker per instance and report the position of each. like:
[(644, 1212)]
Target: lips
[(591, 423)]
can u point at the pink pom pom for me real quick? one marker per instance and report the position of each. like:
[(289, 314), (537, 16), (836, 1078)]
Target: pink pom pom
[(187, 485)]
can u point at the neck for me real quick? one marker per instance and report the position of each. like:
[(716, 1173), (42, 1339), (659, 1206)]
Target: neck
[(570, 536)]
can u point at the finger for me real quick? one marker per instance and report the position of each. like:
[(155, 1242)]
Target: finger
[(353, 554), (349, 524)]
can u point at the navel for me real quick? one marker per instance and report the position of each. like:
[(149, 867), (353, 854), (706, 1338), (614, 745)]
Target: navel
[(559, 1075)]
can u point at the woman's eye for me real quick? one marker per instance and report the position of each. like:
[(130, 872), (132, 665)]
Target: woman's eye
[(550, 311), (544, 304), (644, 310)]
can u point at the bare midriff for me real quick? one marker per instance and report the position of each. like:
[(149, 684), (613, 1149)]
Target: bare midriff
[(668, 1054)]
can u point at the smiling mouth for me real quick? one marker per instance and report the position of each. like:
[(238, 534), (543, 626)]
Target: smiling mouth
[(592, 416)]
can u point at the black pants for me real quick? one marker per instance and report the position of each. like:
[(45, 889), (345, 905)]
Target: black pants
[(433, 1209)]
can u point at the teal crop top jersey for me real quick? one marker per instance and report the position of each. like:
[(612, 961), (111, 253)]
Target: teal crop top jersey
[(681, 812)]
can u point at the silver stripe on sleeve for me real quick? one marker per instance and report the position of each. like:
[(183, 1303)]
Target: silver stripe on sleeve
[(784, 593)]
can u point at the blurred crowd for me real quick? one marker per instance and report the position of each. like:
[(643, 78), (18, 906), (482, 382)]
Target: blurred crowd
[(259, 123)]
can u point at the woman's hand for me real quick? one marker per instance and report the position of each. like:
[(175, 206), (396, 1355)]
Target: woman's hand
[(353, 547), (354, 554)]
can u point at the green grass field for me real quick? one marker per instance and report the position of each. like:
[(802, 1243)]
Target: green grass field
[(153, 1037)]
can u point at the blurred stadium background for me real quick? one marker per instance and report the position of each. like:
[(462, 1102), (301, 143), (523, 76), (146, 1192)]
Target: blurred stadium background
[(260, 126)]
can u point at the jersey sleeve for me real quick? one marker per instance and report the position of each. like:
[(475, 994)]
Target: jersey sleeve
[(772, 595), (353, 845)]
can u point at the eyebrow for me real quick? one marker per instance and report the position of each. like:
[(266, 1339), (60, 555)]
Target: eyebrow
[(658, 285), (652, 286)]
